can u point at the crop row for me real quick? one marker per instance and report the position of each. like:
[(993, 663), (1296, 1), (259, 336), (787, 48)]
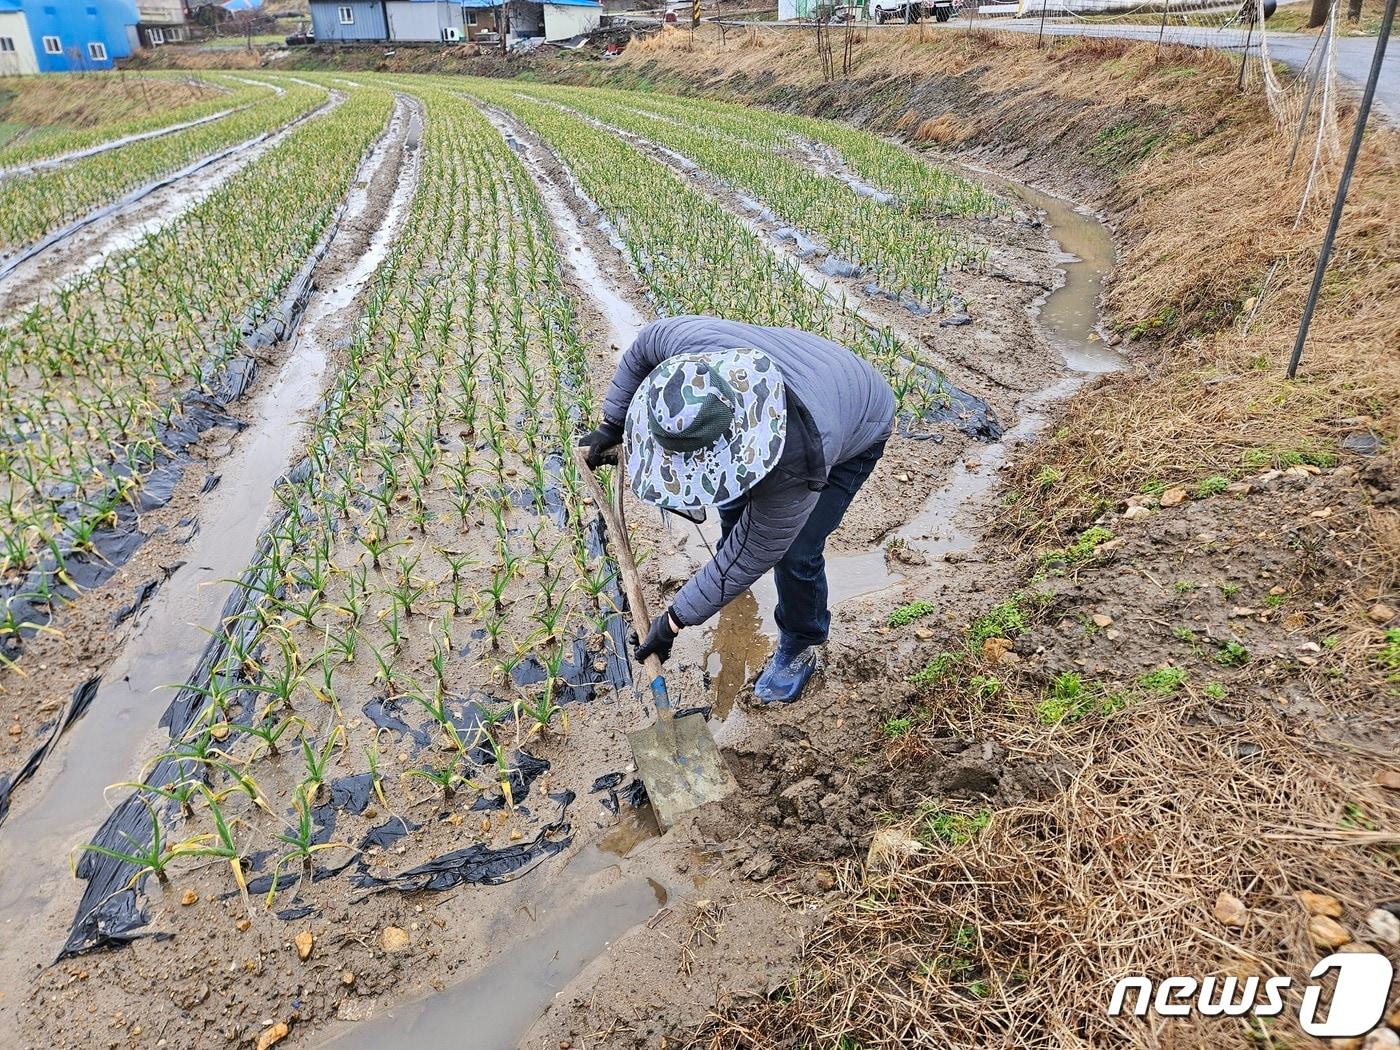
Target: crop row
[(230, 93), (433, 570), (921, 188), (33, 204), (96, 373), (695, 257), (909, 254)]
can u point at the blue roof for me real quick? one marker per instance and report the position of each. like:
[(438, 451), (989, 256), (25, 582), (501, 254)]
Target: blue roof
[(574, 3), (10, 5), (241, 5), (481, 3)]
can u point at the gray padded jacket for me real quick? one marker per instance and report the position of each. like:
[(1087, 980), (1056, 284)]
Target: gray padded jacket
[(838, 407)]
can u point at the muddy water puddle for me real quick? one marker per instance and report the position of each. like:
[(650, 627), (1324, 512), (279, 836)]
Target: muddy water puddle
[(552, 940), (68, 798)]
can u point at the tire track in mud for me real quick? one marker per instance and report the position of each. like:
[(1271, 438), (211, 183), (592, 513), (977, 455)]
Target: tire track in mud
[(64, 255), (35, 896)]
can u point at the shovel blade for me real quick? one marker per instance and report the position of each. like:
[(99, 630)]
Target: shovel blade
[(680, 765)]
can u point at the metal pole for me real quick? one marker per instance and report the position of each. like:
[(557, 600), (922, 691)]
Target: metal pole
[(1325, 254), (1040, 38), (1162, 29)]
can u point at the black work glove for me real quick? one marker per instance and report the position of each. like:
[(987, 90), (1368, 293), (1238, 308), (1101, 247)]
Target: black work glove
[(599, 443), (659, 639)]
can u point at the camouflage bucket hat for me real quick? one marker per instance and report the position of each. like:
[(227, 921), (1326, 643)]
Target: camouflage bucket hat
[(705, 428)]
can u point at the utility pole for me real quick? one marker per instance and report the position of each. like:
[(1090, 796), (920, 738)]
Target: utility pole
[(1357, 133)]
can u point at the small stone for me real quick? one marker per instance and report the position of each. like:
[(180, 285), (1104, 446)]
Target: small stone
[(1230, 910), (1382, 1039), (994, 649), (1238, 488), (515, 835), (923, 633), (1327, 933), (1389, 779), (1101, 620), (242, 925), (904, 477), (16, 729), (355, 1009), (1112, 634), (219, 731), (1136, 513), (486, 825), (600, 665), (347, 978), (394, 939), (1381, 613), (1384, 925), (1354, 1043), (188, 897), (1173, 497), (1321, 904), (304, 941), (272, 1035)]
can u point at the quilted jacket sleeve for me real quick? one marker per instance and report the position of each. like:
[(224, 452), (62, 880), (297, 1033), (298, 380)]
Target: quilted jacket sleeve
[(757, 542)]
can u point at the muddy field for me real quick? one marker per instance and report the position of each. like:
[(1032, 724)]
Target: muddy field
[(393, 797)]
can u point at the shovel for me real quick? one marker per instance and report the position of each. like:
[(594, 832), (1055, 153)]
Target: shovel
[(676, 758)]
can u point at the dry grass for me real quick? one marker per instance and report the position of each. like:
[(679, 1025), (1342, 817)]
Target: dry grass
[(86, 101), (1015, 938)]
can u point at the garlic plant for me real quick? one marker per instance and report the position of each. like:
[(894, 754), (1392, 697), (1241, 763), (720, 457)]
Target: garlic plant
[(218, 94), (33, 204), (93, 376), (745, 149)]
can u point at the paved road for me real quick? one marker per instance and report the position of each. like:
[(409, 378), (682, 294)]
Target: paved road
[(1353, 53)]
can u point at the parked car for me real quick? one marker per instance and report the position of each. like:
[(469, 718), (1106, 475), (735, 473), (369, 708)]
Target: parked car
[(295, 39)]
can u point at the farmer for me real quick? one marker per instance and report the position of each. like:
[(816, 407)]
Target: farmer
[(778, 429)]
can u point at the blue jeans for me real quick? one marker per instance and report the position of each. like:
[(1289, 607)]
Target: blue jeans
[(802, 616)]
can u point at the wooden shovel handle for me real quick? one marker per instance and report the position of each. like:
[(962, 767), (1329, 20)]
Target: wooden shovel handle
[(622, 551)]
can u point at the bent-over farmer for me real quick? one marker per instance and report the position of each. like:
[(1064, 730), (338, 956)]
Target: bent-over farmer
[(775, 427)]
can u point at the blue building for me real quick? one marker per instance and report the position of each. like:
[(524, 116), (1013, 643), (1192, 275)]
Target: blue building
[(349, 20), (72, 36)]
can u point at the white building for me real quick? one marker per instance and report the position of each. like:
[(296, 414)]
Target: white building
[(160, 22), (554, 19), (421, 21), (17, 55)]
